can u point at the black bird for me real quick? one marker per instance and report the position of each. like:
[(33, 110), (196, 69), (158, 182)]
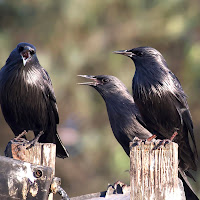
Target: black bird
[(124, 116), (162, 101), (27, 97)]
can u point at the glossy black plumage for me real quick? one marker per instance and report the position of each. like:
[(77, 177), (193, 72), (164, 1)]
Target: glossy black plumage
[(162, 102), (125, 119), (27, 98)]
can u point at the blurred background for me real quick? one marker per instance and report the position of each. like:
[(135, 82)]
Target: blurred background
[(77, 37)]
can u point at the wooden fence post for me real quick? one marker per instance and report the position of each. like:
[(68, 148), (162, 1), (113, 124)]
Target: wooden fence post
[(154, 173), (40, 154)]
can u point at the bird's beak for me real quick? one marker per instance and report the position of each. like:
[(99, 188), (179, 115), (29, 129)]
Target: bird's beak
[(92, 83), (125, 53), (25, 54)]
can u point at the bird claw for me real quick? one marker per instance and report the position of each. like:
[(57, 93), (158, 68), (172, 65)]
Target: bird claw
[(158, 143), (34, 141), (27, 144), (21, 140), (161, 143), (137, 141), (165, 141)]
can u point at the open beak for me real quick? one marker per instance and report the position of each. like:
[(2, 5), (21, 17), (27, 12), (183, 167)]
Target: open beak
[(124, 52), (94, 81), (26, 55)]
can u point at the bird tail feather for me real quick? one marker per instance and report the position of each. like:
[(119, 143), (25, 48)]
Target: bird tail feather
[(189, 192), (51, 136), (61, 151)]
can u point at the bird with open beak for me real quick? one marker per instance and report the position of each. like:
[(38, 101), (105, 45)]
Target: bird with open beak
[(27, 97)]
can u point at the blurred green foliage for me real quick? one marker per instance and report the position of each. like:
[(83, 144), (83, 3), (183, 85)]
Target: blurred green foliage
[(77, 37)]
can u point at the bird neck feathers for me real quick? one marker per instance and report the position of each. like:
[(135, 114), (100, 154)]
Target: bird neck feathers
[(150, 81)]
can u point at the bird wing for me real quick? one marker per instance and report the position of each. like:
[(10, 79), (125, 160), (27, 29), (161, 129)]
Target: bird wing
[(188, 122), (50, 94), (183, 109), (50, 98), (140, 120)]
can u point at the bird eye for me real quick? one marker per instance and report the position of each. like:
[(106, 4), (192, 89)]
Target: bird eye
[(139, 53), (105, 80), (32, 52), (21, 49)]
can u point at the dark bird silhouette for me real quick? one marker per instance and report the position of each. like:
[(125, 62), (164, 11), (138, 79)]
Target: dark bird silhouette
[(162, 102), (124, 116), (27, 97)]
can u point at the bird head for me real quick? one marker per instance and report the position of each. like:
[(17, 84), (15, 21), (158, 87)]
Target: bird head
[(104, 84), (96, 81), (23, 54), (26, 51), (143, 56)]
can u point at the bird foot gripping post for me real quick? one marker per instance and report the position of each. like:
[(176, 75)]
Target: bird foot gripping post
[(154, 173), (30, 174)]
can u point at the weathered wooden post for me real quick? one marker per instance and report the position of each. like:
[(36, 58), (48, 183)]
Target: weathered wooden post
[(40, 154), (154, 173), (22, 180)]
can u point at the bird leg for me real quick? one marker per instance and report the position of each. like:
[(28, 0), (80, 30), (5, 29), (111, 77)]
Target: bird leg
[(151, 138), (19, 137), (137, 141), (35, 140), (166, 141), (174, 135)]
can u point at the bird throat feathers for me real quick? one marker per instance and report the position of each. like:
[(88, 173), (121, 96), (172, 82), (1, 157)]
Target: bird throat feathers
[(150, 82)]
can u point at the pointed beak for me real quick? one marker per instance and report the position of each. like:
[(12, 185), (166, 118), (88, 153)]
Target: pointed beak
[(94, 81), (124, 52)]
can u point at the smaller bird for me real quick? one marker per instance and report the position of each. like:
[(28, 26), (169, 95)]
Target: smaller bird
[(27, 97), (124, 116)]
